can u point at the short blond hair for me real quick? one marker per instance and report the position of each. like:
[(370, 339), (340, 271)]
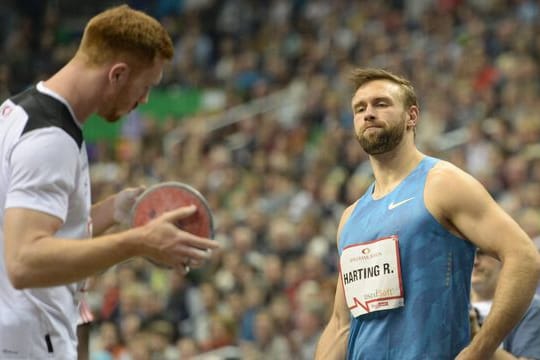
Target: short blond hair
[(362, 76), (121, 33)]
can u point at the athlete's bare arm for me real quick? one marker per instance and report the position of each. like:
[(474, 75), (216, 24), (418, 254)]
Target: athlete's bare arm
[(333, 341), (462, 204), (36, 258), (500, 354)]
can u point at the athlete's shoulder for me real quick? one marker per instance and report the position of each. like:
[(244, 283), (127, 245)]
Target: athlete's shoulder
[(44, 111), (443, 165), (444, 174), (348, 210), (344, 217), (449, 188)]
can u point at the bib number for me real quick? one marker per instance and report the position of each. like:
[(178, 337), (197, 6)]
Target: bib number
[(371, 276)]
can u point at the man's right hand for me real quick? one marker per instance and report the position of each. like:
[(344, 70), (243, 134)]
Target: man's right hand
[(164, 243)]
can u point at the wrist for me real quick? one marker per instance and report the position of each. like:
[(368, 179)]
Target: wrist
[(483, 348), (132, 242)]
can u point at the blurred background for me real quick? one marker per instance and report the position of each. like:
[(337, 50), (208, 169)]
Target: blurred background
[(254, 111)]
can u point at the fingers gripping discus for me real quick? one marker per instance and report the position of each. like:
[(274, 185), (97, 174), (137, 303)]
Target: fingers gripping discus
[(168, 196)]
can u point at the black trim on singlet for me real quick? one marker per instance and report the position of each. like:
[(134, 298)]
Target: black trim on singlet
[(45, 111), (48, 342)]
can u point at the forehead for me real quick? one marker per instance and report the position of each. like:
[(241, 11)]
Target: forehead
[(377, 89)]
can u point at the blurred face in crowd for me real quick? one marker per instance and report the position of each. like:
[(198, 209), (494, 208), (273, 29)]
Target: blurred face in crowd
[(264, 328), (485, 274), (380, 119), (187, 347)]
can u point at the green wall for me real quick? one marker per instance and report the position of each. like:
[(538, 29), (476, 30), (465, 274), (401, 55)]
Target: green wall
[(161, 105)]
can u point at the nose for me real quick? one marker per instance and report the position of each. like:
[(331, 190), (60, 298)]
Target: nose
[(144, 98), (369, 113)]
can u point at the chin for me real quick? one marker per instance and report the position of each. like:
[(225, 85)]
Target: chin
[(111, 117), (475, 279)]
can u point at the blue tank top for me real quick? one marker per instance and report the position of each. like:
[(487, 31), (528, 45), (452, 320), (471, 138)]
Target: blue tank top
[(436, 276)]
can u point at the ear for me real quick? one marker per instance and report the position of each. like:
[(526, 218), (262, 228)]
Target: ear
[(118, 74), (412, 113)]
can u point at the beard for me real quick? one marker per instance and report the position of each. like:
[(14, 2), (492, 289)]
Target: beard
[(113, 112), (111, 117), (116, 106), (383, 141)]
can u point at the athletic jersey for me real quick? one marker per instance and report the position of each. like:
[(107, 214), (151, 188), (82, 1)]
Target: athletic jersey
[(412, 277), (43, 167)]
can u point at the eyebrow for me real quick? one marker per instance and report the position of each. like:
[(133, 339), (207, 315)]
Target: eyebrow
[(374, 100), (382, 98)]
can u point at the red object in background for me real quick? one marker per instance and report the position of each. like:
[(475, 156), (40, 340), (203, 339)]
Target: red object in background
[(486, 78), (168, 196)]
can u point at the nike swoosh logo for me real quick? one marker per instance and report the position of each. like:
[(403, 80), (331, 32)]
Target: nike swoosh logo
[(395, 205)]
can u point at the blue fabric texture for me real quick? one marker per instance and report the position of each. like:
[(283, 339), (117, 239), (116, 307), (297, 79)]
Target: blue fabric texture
[(436, 271)]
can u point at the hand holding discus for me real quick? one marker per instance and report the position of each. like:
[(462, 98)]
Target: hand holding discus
[(185, 244)]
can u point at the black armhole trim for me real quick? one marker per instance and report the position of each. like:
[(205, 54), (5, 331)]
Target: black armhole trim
[(45, 111)]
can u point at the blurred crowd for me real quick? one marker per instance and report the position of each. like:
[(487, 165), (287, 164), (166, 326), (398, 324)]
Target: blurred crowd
[(277, 180)]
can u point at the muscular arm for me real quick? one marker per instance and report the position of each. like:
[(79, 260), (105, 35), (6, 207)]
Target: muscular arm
[(500, 354), (333, 341), (36, 258), (459, 201), (37, 202)]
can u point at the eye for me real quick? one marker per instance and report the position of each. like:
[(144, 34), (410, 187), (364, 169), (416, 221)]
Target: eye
[(359, 109), (381, 104)]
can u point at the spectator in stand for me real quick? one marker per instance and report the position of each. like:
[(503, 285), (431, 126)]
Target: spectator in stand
[(267, 343)]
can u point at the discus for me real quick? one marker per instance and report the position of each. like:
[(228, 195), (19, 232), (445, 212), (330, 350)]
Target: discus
[(168, 196)]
